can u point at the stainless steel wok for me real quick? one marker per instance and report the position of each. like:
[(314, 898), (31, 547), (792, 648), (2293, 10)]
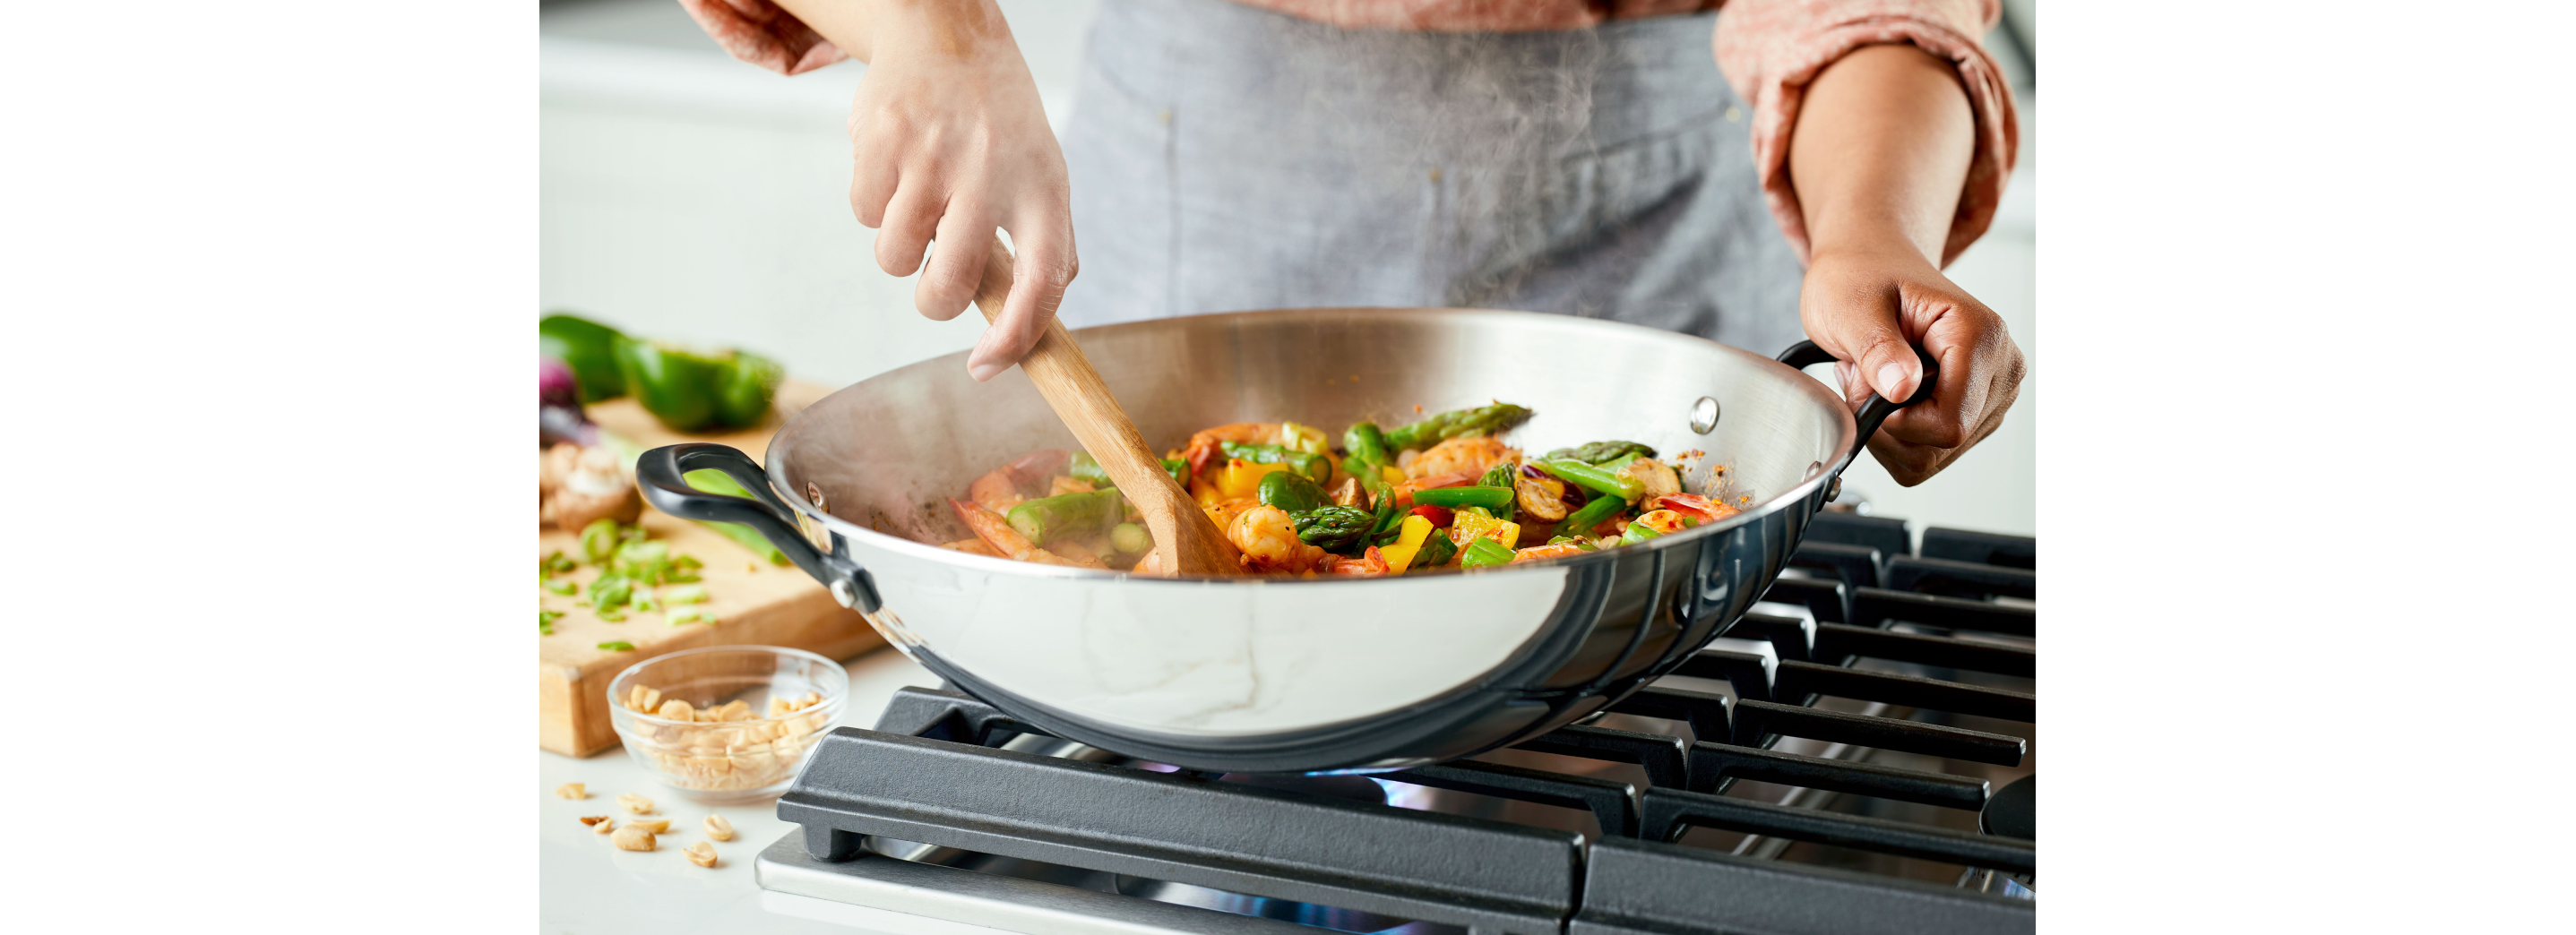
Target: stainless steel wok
[(1299, 675)]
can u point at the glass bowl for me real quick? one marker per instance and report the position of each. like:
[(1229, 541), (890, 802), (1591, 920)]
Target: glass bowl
[(727, 723)]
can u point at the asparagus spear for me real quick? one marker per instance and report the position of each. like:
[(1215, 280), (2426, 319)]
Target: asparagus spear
[(1482, 420)]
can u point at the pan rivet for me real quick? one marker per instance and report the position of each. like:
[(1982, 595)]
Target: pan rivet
[(1704, 415), (1834, 491), (842, 592)]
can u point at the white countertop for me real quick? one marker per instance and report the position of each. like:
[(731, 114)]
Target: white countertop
[(585, 885)]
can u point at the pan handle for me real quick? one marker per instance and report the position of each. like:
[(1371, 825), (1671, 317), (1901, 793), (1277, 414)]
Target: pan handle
[(1873, 411), (662, 474)]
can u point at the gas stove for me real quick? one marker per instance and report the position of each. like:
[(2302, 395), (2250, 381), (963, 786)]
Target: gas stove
[(1853, 756)]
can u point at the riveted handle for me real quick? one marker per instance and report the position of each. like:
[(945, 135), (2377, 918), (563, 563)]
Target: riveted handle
[(1874, 410), (662, 473)]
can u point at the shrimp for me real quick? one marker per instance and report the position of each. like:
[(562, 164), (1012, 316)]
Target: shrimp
[(1544, 552), (1709, 511), (1268, 540), (1664, 522), (1064, 484), (999, 489), (1075, 555), (1207, 444), (1000, 537), (1370, 565), (1470, 456), (1223, 512), (971, 547), (1151, 564)]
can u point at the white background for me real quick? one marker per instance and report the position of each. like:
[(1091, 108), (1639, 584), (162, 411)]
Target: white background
[(266, 282)]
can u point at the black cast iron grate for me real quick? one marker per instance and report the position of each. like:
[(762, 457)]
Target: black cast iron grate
[(933, 772)]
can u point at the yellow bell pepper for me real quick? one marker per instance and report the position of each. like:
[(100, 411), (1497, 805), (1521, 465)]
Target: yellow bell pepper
[(1390, 475), (1409, 537), (1202, 492), (1241, 479), (1469, 527), (1305, 438)]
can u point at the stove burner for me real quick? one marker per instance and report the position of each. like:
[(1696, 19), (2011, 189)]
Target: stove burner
[(2009, 811), (1801, 775)]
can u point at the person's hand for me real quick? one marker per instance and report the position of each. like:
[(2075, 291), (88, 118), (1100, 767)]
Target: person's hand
[(950, 142), (1863, 305)]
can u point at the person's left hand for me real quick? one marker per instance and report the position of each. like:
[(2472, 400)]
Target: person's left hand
[(1864, 304)]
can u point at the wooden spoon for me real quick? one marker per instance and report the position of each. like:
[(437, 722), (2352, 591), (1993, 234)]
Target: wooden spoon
[(1185, 540)]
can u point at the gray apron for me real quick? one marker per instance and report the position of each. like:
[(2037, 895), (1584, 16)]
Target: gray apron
[(1228, 158)]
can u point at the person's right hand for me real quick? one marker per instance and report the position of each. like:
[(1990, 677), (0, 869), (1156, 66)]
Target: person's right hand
[(951, 143), (948, 143)]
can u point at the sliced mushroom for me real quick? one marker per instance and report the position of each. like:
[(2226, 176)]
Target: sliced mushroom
[(595, 487), (1658, 478), (1348, 493), (1542, 496)]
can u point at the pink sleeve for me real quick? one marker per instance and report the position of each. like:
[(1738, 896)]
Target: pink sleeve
[(1770, 49), (757, 31)]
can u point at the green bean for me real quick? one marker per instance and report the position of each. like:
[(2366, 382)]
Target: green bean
[(1593, 478), (1580, 523), (1491, 498)]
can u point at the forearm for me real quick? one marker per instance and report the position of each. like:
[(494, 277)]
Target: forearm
[(957, 28), (1880, 152)]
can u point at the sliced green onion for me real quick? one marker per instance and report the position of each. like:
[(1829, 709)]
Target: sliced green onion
[(1129, 538), (618, 646)]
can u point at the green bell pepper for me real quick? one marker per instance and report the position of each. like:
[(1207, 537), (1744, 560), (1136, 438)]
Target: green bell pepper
[(589, 348), (1483, 552), (1596, 479), (1064, 515), (1290, 491), (1436, 551), (1637, 532), (692, 391), (1084, 467)]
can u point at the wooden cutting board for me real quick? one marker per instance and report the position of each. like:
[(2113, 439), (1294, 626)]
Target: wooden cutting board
[(754, 601)]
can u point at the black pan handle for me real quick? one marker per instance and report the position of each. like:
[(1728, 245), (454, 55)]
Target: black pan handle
[(663, 475), (1873, 411)]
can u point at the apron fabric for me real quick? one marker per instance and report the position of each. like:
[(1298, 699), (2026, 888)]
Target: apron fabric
[(1225, 158)]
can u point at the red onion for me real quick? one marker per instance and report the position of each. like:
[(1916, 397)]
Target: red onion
[(559, 415)]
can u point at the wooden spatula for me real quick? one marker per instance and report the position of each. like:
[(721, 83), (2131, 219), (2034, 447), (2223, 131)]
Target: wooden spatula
[(1184, 538)]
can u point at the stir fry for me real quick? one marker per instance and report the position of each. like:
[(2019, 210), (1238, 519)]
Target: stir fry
[(1443, 492)]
